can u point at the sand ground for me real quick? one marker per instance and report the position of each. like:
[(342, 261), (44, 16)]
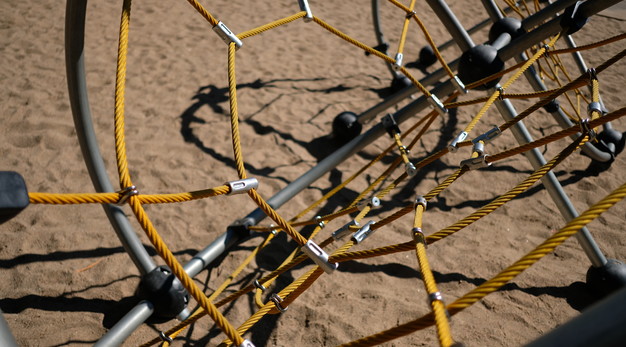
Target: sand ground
[(66, 278)]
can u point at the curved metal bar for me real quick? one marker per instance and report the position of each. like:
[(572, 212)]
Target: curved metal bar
[(79, 101)]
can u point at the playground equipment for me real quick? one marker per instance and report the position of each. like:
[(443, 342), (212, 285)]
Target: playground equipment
[(167, 290)]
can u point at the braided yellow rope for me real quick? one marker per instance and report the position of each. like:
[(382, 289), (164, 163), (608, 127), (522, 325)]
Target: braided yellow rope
[(503, 277), (272, 25), (438, 307), (203, 12), (112, 198)]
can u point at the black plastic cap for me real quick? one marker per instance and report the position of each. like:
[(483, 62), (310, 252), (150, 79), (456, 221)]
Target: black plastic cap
[(13, 195)]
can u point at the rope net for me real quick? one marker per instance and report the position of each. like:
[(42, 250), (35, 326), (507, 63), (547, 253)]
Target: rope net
[(383, 196)]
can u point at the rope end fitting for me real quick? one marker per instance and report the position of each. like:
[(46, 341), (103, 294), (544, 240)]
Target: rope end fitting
[(317, 254), (242, 186), (459, 85), (304, 6), (226, 35), (437, 105), (398, 64), (476, 163), (344, 230), (363, 233), (452, 147), (246, 343)]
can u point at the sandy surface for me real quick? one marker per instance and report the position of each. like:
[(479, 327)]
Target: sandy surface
[(66, 278)]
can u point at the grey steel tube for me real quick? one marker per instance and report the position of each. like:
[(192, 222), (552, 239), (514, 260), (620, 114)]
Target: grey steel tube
[(346, 151), (452, 24), (77, 88), (127, 325), (552, 27), (601, 325), (6, 337), (552, 185)]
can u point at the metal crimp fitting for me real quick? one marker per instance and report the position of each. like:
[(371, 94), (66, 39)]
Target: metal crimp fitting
[(258, 285), (459, 85), (452, 147), (420, 200), (398, 64), (390, 124), (164, 337), (476, 163), (226, 35), (500, 93), (418, 236), (318, 255), (320, 222), (363, 233), (592, 73), (488, 136), (437, 104), (344, 230), (373, 202), (411, 170), (479, 147), (304, 6), (126, 194), (246, 343), (594, 107), (585, 129), (242, 186), (410, 15), (276, 299), (436, 296)]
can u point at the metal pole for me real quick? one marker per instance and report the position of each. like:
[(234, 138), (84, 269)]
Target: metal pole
[(452, 24), (6, 337), (129, 323), (77, 88)]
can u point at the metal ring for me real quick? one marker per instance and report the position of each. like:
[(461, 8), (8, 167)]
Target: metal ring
[(259, 285), (165, 337), (126, 194), (277, 300), (436, 296)]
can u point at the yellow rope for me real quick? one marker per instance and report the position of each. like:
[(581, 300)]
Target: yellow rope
[(112, 198), (438, 307), (209, 17), (503, 277), (272, 25)]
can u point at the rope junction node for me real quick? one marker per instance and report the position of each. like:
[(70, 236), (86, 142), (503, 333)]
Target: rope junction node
[(379, 187)]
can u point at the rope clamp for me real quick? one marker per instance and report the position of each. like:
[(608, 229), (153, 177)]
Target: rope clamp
[(404, 149), (344, 230), (373, 202), (304, 6), (246, 343), (242, 186), (546, 50), (436, 296), (437, 105), (258, 285), (418, 236), (500, 93), (390, 124), (479, 147), (488, 136), (585, 129), (277, 300), (320, 222), (363, 233), (420, 200), (226, 35), (411, 170), (398, 64), (165, 337), (452, 147), (592, 74), (476, 163), (594, 107), (126, 194), (410, 14), (459, 85), (317, 254)]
